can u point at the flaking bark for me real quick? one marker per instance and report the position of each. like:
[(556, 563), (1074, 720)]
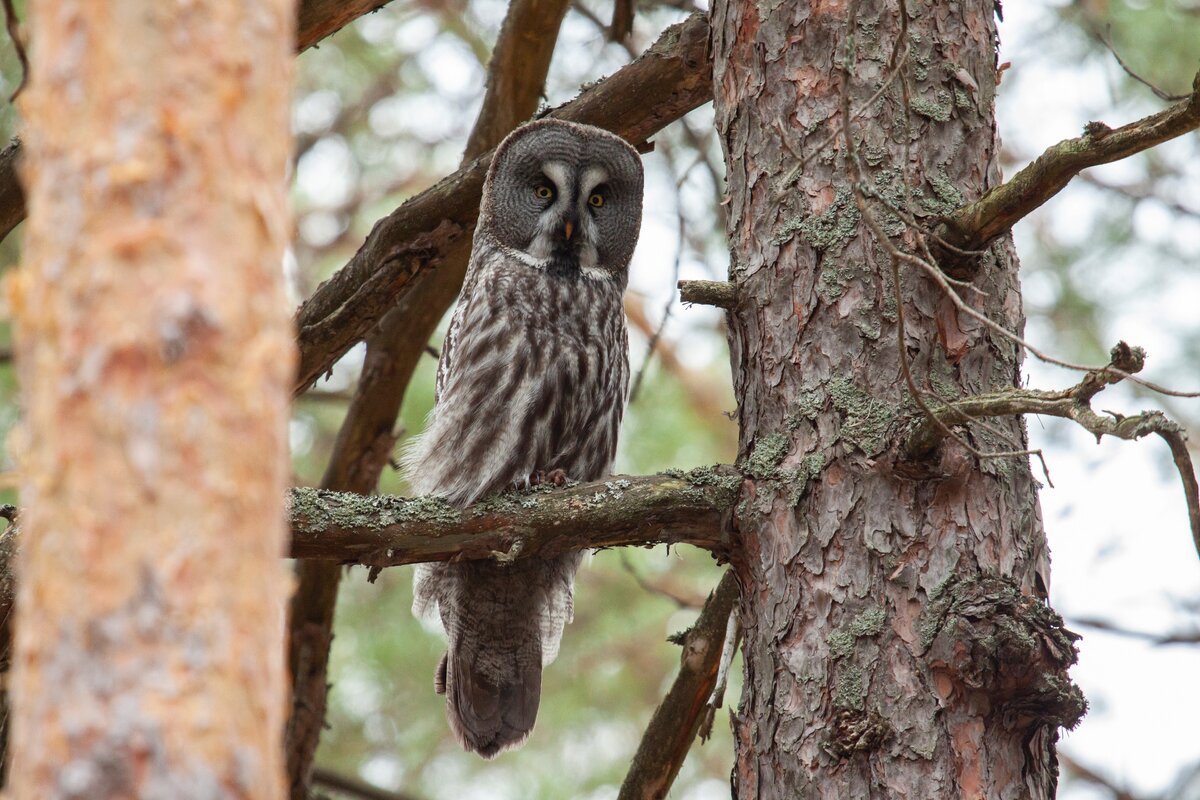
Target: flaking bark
[(843, 549)]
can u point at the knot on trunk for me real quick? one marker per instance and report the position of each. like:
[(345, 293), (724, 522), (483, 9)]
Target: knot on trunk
[(856, 731), (984, 639)]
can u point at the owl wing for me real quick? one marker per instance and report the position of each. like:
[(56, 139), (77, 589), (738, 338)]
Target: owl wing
[(480, 435)]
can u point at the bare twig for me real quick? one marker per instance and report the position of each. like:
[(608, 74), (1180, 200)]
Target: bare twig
[(650, 587), (652, 341), (733, 637), (14, 35), (1145, 636), (1106, 39), (354, 787), (677, 719), (895, 255), (1074, 404), (1089, 775)]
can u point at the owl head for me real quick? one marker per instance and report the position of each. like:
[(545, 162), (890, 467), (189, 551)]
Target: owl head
[(565, 198)]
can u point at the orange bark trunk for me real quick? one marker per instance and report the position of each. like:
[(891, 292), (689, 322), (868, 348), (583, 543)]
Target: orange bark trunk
[(155, 356)]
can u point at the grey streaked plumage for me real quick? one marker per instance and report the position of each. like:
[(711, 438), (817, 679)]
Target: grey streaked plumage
[(532, 378)]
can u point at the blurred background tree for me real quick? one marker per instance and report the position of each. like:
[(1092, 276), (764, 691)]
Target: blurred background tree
[(383, 109)]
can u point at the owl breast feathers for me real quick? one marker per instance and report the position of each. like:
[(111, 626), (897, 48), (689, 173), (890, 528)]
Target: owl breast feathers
[(532, 379)]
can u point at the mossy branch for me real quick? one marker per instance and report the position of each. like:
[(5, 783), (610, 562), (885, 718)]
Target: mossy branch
[(972, 227), (1074, 404), (383, 531)]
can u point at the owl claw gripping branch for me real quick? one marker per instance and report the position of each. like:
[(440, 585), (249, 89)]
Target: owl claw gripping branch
[(532, 382)]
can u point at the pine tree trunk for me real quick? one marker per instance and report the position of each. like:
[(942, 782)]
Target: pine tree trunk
[(155, 356), (897, 641)]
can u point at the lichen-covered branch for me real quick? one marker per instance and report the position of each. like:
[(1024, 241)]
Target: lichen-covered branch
[(673, 77), (1074, 404), (677, 719), (382, 531), (974, 225), (316, 20)]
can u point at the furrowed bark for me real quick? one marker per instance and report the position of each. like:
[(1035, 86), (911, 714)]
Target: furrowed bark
[(670, 79), (317, 19), (896, 637), (516, 77), (154, 354)]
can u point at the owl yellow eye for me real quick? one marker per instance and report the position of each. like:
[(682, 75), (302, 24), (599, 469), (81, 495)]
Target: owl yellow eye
[(596, 200), (544, 192)]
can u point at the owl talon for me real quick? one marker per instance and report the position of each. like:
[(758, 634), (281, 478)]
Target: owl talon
[(556, 477)]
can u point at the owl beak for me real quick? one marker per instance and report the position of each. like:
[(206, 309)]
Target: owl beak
[(568, 229)]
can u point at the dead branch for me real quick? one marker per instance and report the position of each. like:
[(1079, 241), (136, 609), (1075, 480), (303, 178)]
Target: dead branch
[(976, 224), (14, 35), (316, 20), (677, 719), (345, 784), (1074, 404), (670, 79), (721, 294), (384, 531)]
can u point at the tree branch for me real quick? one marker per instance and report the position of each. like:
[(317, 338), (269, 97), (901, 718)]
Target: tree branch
[(384, 531), (972, 227), (721, 294), (1073, 404), (677, 719), (673, 77), (354, 787), (316, 20)]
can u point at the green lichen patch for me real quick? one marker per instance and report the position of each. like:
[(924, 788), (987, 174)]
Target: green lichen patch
[(868, 623), (326, 510), (833, 227), (850, 689), (937, 109), (865, 420), (831, 283), (948, 197), (807, 406), (767, 455)]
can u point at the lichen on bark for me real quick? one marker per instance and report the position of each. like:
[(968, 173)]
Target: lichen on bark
[(839, 698)]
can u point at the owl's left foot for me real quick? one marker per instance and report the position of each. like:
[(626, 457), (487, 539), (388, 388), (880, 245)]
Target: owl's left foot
[(557, 477)]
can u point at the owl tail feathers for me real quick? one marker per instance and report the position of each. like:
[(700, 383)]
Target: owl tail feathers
[(488, 716)]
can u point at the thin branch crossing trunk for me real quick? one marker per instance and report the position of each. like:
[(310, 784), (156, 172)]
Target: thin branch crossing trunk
[(155, 354)]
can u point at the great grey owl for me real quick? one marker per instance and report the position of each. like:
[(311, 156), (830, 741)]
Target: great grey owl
[(532, 382)]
